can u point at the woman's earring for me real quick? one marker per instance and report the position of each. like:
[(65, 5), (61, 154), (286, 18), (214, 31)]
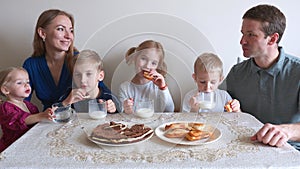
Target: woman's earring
[(43, 39)]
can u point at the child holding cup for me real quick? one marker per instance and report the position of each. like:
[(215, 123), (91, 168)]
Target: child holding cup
[(208, 75), (17, 115), (149, 82), (87, 72)]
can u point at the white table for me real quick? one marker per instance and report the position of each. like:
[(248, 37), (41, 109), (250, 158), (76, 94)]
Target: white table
[(49, 145)]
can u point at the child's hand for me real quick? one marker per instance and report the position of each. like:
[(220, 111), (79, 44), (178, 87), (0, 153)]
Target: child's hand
[(194, 104), (158, 79), (35, 118), (46, 115), (75, 96), (234, 105), (128, 106), (111, 107)]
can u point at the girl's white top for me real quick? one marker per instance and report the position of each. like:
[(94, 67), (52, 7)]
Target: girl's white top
[(163, 101)]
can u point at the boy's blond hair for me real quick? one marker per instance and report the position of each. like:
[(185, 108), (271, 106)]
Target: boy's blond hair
[(90, 55), (208, 62)]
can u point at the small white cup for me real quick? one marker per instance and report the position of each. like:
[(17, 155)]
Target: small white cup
[(144, 108), (97, 110), (62, 114), (206, 100)]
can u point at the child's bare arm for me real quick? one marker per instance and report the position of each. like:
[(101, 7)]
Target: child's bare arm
[(34, 118)]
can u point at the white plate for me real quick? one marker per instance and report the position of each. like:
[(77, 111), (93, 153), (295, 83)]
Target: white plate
[(216, 134), (121, 144)]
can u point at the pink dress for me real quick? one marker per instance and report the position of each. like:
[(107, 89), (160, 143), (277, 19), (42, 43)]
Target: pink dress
[(12, 120)]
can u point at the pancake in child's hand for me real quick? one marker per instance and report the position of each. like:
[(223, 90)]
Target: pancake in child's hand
[(147, 75), (228, 107)]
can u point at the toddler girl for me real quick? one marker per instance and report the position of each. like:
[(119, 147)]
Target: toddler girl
[(17, 116)]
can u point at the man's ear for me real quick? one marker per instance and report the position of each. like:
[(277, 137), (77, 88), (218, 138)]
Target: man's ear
[(273, 38), (42, 33), (101, 75)]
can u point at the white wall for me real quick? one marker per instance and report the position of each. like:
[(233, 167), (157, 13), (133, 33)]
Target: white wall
[(219, 21)]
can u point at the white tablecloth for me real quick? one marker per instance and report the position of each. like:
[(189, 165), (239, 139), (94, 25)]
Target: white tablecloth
[(49, 145)]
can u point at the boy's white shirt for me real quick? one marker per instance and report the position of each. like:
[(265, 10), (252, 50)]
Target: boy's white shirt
[(163, 101), (222, 98)]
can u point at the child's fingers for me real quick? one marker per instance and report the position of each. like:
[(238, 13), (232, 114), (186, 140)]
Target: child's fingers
[(193, 101), (111, 107), (50, 114), (101, 100), (130, 101), (232, 106), (128, 110)]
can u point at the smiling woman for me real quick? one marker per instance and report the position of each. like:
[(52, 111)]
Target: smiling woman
[(50, 67)]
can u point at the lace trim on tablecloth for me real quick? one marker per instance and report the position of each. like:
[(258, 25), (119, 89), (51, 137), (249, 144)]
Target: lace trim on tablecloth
[(61, 146)]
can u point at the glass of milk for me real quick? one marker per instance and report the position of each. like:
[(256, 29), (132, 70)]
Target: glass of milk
[(144, 108), (97, 110), (206, 100)]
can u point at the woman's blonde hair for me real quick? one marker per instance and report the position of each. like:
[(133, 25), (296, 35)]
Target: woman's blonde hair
[(44, 20), (5, 76), (208, 62), (148, 44)]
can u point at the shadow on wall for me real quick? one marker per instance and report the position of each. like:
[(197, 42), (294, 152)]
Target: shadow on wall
[(182, 43)]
